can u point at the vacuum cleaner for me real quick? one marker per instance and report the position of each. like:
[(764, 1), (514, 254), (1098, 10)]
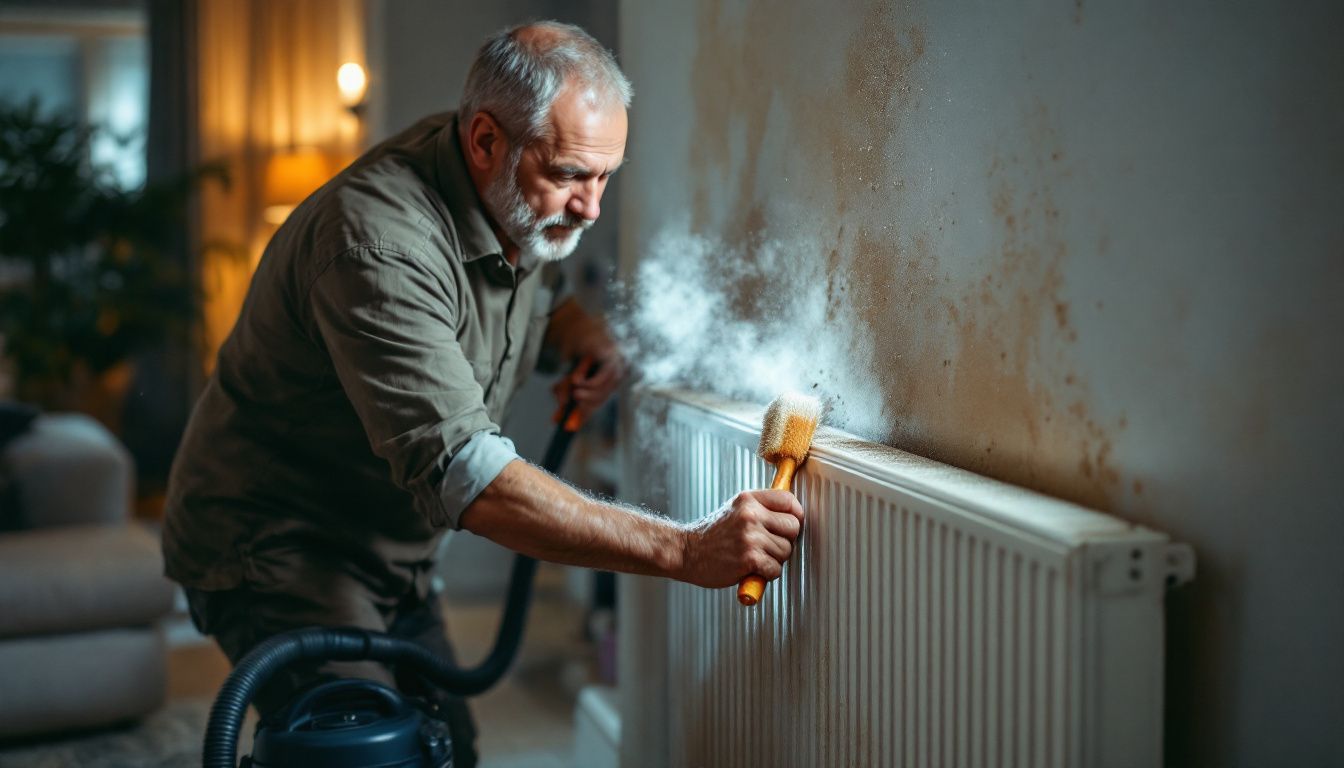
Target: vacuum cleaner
[(361, 723)]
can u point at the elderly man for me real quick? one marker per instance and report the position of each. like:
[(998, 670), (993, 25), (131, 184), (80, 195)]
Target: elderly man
[(353, 415)]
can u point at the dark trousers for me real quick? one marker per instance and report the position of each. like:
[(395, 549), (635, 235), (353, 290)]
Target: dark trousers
[(240, 618)]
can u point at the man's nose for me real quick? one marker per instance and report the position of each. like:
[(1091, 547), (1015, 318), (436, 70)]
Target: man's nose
[(586, 200)]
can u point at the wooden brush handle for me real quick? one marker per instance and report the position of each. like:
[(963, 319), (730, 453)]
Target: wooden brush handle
[(751, 588)]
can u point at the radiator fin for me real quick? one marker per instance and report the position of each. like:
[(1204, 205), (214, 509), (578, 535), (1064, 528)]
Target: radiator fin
[(904, 632)]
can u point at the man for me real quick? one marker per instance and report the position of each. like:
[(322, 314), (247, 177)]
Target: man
[(353, 415)]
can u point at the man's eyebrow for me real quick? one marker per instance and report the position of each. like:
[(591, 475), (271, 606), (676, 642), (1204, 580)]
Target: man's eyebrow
[(569, 169)]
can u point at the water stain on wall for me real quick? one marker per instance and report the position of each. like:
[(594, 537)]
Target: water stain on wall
[(1007, 404), (976, 372), (879, 92)]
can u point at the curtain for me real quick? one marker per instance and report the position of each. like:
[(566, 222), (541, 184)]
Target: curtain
[(266, 85), (165, 377)]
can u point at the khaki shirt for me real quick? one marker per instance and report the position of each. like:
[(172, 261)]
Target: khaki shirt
[(354, 412)]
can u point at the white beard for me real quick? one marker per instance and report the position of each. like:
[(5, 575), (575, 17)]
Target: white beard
[(504, 201)]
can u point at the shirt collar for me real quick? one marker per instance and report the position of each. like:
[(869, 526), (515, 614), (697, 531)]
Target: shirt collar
[(474, 234)]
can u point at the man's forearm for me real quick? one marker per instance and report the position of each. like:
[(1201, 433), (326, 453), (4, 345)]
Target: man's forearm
[(531, 512)]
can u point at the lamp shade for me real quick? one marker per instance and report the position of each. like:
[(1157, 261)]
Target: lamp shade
[(290, 177)]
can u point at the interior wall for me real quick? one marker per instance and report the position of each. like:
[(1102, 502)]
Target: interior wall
[(1098, 250), (425, 47)]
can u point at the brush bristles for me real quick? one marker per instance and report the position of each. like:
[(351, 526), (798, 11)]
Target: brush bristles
[(787, 429)]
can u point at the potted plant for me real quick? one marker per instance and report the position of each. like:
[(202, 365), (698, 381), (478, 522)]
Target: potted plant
[(88, 276)]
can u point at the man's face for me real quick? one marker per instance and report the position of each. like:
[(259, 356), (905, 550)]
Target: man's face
[(550, 191)]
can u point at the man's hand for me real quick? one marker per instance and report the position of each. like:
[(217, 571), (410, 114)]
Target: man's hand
[(529, 511), (580, 336), (753, 533)]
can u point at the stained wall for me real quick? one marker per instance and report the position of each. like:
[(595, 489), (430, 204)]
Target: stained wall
[(1098, 250)]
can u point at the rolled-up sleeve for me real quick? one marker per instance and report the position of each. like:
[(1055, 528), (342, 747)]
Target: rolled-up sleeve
[(388, 323), (474, 467)]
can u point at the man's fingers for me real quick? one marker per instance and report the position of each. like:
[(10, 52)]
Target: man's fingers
[(588, 397), (588, 389), (592, 392), (603, 378), (587, 386), (782, 524), (779, 501), (584, 369), (777, 547), (766, 567), (753, 533), (600, 388)]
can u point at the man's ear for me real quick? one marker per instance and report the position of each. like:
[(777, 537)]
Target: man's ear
[(486, 144)]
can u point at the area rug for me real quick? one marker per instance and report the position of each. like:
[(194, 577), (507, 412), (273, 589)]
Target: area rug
[(169, 738)]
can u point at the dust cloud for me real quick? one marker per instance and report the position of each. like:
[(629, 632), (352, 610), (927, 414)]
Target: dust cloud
[(749, 322)]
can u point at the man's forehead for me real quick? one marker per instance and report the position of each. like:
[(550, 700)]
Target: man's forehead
[(579, 113), (598, 139), (559, 153)]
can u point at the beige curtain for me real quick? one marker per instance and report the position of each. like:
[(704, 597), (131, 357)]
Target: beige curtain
[(266, 85)]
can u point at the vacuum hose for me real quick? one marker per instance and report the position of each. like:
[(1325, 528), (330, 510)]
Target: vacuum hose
[(350, 644)]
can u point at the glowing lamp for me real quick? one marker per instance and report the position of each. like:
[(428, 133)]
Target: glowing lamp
[(353, 82), (290, 177)]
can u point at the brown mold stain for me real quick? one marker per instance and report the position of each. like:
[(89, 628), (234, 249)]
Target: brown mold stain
[(878, 92), (989, 388), (733, 76), (1062, 314), (986, 396)]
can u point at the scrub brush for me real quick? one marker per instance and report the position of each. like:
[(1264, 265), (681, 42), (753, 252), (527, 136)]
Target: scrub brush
[(786, 436)]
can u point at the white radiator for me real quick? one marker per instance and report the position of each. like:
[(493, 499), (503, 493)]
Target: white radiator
[(930, 617)]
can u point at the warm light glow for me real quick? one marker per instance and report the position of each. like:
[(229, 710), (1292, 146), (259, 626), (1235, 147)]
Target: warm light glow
[(352, 81), (290, 177)]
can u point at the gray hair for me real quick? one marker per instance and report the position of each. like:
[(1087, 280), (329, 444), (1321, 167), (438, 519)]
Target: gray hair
[(515, 78)]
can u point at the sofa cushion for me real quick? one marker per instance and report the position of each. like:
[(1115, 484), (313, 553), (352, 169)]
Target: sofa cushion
[(80, 681), (77, 578), (69, 470)]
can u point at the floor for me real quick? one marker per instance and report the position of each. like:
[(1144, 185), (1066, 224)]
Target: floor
[(527, 721), (524, 722)]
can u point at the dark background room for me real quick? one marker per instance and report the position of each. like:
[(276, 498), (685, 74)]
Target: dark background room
[(1062, 277)]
